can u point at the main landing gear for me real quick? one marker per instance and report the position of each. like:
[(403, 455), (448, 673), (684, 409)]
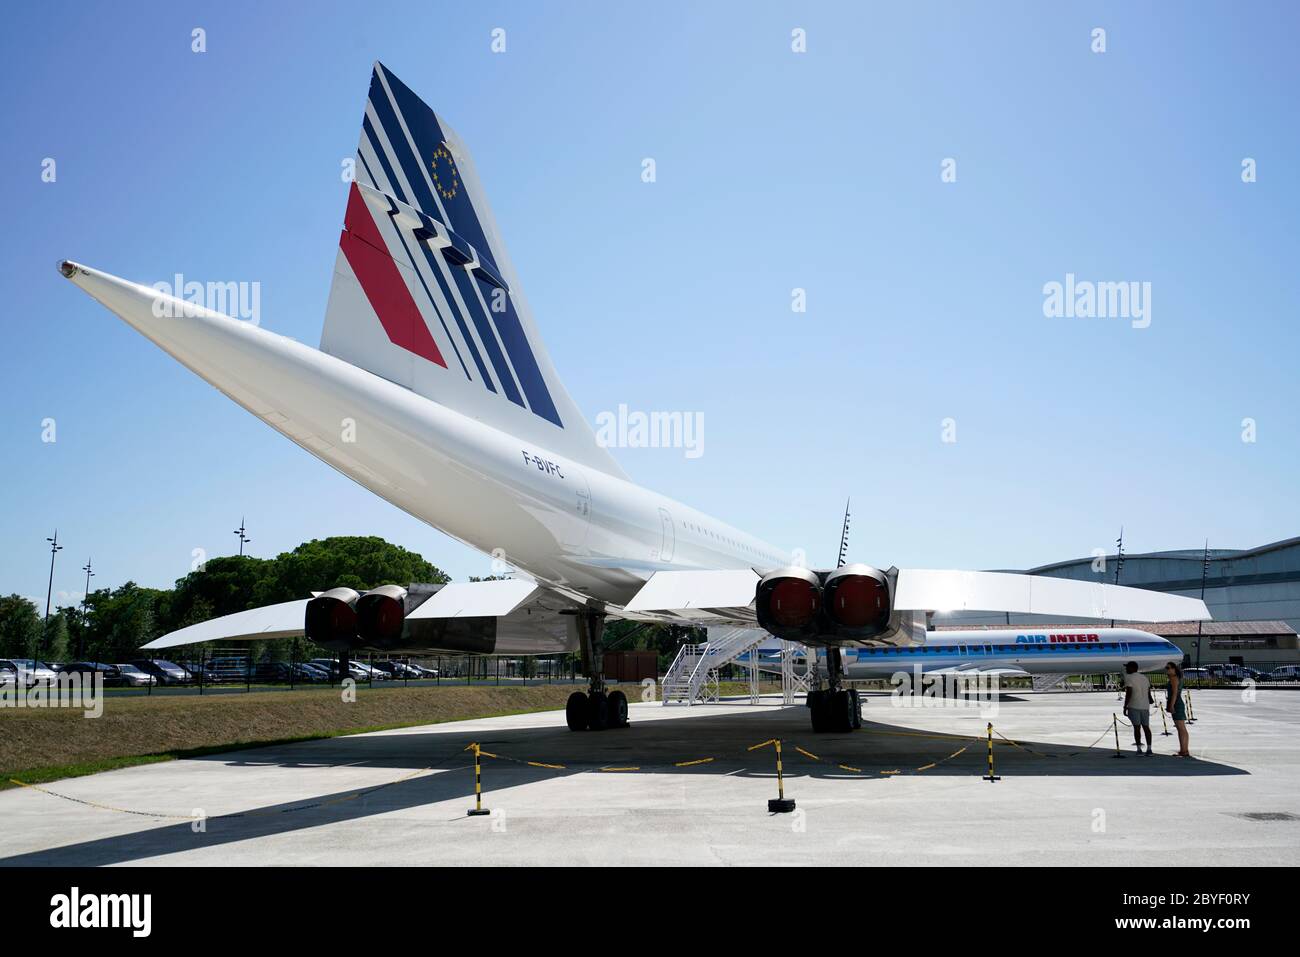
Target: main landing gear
[(594, 710), (835, 709)]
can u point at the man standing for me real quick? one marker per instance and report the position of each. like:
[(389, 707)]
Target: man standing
[(1137, 704)]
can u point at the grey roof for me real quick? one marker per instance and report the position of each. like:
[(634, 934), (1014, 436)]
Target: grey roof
[(1184, 554)]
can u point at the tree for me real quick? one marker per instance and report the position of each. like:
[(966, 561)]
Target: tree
[(350, 561), (20, 627), (223, 586), (236, 583), (118, 621), (53, 644), (664, 640)]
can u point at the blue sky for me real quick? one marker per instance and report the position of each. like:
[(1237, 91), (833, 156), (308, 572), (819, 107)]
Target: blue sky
[(775, 170)]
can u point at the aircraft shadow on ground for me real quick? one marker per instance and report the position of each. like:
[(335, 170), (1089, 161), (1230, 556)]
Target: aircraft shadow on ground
[(874, 754)]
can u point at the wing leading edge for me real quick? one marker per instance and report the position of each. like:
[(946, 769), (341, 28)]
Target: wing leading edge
[(943, 590)]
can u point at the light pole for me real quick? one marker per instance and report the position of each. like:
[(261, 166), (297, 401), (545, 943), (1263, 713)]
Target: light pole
[(1119, 560), (1119, 553), (243, 538), (55, 548), (81, 638), (1205, 571)]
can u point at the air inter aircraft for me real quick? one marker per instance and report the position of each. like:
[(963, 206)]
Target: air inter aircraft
[(430, 355)]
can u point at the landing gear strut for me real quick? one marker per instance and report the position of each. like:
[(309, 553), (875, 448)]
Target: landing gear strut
[(594, 710), (835, 709)]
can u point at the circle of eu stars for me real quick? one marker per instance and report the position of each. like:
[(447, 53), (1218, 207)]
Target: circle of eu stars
[(445, 175)]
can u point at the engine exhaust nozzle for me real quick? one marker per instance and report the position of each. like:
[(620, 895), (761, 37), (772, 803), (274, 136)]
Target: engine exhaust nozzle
[(787, 603), (381, 613), (331, 620)]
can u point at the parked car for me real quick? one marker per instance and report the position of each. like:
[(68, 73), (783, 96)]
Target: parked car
[(370, 673), (133, 677), (167, 672), (424, 672), (230, 668), (397, 670), (320, 672), (283, 671), (88, 669), (1225, 672), (200, 672), (310, 672), (28, 671), (1284, 673), (356, 670)]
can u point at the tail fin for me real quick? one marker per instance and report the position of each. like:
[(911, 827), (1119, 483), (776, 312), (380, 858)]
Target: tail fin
[(424, 293)]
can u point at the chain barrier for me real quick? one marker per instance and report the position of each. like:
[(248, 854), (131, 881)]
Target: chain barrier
[(1068, 754), (777, 805)]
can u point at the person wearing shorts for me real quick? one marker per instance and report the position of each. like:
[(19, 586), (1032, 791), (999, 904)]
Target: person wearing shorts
[(1137, 704)]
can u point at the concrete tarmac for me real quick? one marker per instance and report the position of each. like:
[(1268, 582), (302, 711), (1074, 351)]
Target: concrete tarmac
[(907, 789)]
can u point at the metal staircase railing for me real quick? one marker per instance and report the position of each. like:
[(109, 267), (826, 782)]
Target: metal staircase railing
[(692, 678)]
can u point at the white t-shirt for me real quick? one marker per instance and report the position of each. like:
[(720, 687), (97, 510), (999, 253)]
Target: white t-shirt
[(1141, 685)]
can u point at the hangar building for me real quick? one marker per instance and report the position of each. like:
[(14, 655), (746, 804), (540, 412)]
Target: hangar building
[(1253, 595)]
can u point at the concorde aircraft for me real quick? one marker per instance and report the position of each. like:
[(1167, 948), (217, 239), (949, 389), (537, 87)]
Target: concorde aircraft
[(432, 389)]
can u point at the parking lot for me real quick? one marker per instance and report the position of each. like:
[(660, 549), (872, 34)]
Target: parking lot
[(682, 787)]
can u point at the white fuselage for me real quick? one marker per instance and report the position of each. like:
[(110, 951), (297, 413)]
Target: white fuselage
[(1033, 650), (572, 526)]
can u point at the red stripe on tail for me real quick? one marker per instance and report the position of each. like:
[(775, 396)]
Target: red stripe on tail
[(367, 254)]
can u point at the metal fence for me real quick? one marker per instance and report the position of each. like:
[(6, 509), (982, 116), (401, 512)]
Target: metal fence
[(228, 669)]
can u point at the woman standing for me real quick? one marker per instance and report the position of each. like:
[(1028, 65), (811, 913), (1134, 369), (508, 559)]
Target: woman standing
[(1176, 708)]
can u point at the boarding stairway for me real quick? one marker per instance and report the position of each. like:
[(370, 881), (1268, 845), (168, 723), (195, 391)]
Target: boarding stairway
[(692, 678)]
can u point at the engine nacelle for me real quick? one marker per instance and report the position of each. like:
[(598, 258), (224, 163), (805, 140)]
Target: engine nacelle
[(788, 603), (381, 613), (331, 620), (849, 603), (856, 602)]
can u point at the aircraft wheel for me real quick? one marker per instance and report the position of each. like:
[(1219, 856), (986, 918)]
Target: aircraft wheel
[(841, 705), (817, 704), (597, 711), (575, 711), (855, 709), (617, 710)]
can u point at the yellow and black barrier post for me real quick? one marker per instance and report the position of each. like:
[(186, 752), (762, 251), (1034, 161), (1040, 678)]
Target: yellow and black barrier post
[(1191, 712), (991, 777), (1164, 722), (1114, 721), (779, 804), (478, 810)]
